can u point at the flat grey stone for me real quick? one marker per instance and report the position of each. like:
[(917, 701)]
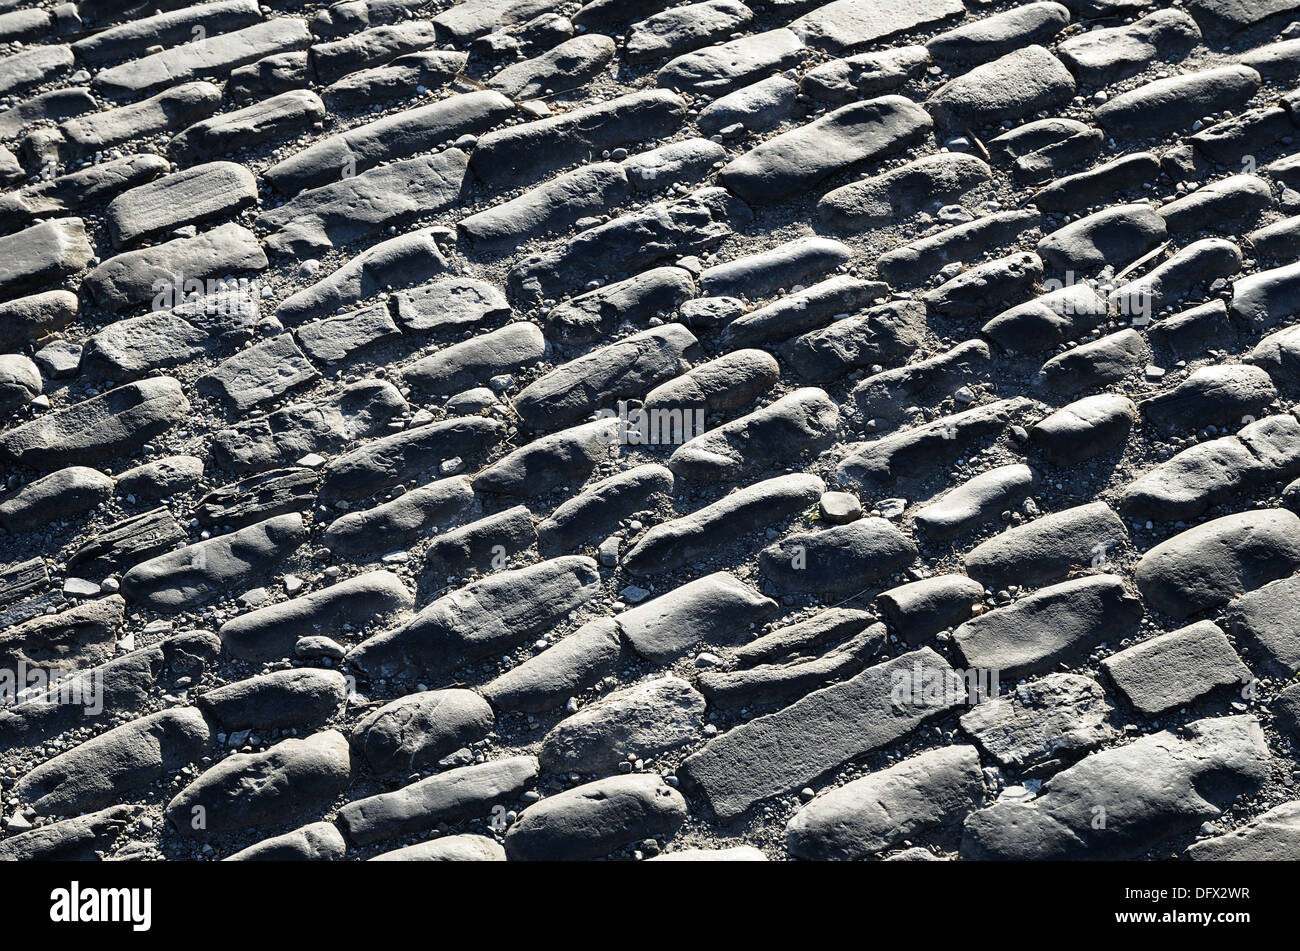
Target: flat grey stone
[(647, 720), (1055, 717), (594, 819), (100, 428), (481, 619), (674, 543), (204, 570), (1174, 669), (709, 609), (1153, 788), (295, 777), (1060, 623), (783, 751), (270, 633), (795, 161), (415, 731), (921, 795)]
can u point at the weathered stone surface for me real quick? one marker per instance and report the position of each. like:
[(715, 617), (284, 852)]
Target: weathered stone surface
[(680, 29), (281, 698), (806, 311), (1151, 789), (796, 160), (480, 545), (847, 23), (259, 374), (1096, 364), (100, 428), (922, 608), (1084, 428), (569, 65), (842, 559), (1209, 473), (60, 495), (917, 260), (483, 618), (551, 207), (864, 75), (269, 633), (361, 409), (709, 609), (1098, 57), (716, 70), (805, 421), (373, 47), (648, 720), (196, 195), (1049, 547), (1209, 564), (552, 461), (1056, 717), (333, 339), (76, 190), (756, 107), (135, 277), (477, 360), (631, 243), (595, 819), (415, 731), (451, 848), (1061, 623), (1266, 620), (317, 842), (411, 453), (1013, 86), (80, 839), (216, 57), (780, 752), (1167, 104), (526, 152), (563, 670), (43, 254), (357, 206), (24, 318), (785, 265), (205, 570), (1213, 395), (99, 131), (902, 191), (1119, 233), (912, 452), (116, 763), (404, 261), (1174, 669), (597, 380), (160, 339), (1270, 838), (889, 394), (672, 544), (396, 80), (77, 637), (976, 501), (924, 794), (398, 523), (398, 136), (467, 792), (597, 511), (293, 777)]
